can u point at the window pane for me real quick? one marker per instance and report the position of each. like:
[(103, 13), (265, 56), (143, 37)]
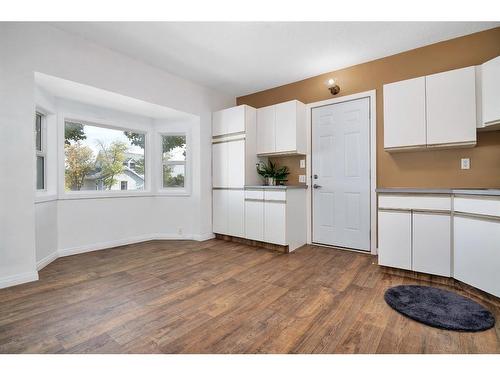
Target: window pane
[(40, 173), (38, 129), (173, 175), (99, 158), (174, 148)]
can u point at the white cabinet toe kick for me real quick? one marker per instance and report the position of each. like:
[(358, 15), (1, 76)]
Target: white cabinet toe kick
[(448, 235)]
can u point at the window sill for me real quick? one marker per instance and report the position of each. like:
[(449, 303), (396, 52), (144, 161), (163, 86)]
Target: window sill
[(117, 194), (173, 193)]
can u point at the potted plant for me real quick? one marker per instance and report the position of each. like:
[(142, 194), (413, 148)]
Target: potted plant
[(271, 173)]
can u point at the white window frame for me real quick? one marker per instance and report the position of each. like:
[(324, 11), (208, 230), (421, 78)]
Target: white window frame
[(186, 190), (90, 194), (43, 150)]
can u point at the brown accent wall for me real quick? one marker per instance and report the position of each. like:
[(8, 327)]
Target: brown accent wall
[(436, 169)]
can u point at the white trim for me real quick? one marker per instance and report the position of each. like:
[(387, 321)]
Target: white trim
[(20, 278), (85, 194), (46, 261), (373, 160), (43, 198), (173, 191), (128, 241), (204, 237)]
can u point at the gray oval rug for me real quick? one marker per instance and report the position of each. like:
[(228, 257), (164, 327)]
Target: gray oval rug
[(439, 308)]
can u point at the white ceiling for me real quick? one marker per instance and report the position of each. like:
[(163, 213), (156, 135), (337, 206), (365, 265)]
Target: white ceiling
[(62, 88), (244, 57)]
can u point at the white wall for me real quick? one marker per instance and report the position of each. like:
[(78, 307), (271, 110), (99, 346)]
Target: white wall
[(36, 47)]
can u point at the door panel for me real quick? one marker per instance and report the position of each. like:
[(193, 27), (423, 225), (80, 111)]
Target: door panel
[(275, 222), (219, 165), (254, 220), (266, 122), (236, 213), (219, 210), (432, 243), (286, 128), (451, 106), (404, 113), (236, 163), (341, 163), (394, 239)]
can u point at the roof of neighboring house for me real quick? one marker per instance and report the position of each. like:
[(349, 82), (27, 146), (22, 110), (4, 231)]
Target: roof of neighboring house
[(98, 175)]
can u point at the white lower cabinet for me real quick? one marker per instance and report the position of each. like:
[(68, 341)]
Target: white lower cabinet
[(394, 239), (254, 225), (275, 222), (276, 217), (477, 252), (414, 233), (229, 212), (431, 243)]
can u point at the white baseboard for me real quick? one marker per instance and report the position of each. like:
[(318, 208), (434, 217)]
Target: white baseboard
[(47, 260), (203, 237), (123, 242), (18, 279)]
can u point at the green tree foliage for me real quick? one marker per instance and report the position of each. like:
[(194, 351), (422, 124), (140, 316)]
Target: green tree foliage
[(169, 142), (73, 131), (139, 166), (79, 162), (169, 180), (110, 162)]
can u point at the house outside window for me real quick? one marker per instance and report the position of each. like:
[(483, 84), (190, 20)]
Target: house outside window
[(40, 151), (174, 150), (102, 158)]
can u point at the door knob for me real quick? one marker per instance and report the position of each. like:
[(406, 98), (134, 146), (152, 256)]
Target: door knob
[(316, 186)]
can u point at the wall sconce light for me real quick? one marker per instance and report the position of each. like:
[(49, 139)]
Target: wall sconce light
[(331, 84)]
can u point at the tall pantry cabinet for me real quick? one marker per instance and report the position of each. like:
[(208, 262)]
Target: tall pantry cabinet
[(234, 156)]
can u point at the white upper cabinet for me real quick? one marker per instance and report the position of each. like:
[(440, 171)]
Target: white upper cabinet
[(266, 119), (451, 108), (438, 110), (229, 121), (281, 128), (404, 114), (490, 93)]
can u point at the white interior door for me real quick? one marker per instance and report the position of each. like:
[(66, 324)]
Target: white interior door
[(341, 174)]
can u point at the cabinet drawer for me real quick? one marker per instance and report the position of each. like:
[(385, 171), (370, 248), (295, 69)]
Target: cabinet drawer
[(479, 206), (254, 194), (275, 195), (414, 202)]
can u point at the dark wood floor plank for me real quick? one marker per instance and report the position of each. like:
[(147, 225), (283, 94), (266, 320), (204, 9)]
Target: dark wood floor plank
[(220, 297)]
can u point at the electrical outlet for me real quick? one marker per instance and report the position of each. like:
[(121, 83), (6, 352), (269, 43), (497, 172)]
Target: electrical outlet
[(465, 163), (179, 231), (302, 163), (302, 178)]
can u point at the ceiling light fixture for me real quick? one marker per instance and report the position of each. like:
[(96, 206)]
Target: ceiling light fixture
[(331, 84)]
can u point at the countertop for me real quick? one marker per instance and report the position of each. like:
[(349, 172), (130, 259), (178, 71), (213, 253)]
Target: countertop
[(494, 192), (276, 187)]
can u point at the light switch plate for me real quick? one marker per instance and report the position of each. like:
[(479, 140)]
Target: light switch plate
[(465, 163), (302, 163), (302, 178)]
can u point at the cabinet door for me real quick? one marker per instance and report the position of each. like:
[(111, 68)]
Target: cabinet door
[(275, 222), (477, 253), (219, 211), (490, 82), (236, 213), (431, 243), (236, 163), (266, 121), (286, 126), (228, 121), (220, 164), (254, 220), (451, 107), (404, 114), (394, 239)]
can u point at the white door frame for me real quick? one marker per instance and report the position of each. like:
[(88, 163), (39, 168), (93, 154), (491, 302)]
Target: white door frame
[(373, 160)]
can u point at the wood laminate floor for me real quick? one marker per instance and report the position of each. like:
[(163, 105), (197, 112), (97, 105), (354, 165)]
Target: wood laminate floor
[(218, 297)]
